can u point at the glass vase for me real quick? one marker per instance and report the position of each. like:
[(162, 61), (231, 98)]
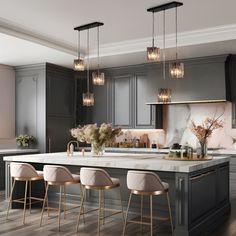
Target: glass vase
[(203, 148), (97, 149)]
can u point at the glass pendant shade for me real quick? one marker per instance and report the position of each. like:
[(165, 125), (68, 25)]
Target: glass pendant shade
[(88, 99), (153, 54), (177, 70), (79, 65), (164, 95), (98, 78)]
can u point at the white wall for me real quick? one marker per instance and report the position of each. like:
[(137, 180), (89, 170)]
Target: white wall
[(7, 105)]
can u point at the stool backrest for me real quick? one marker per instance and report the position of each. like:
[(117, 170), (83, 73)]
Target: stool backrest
[(144, 181), (95, 177), (22, 170), (54, 173)]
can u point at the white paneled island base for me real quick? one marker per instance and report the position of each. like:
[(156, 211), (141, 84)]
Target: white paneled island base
[(199, 190)]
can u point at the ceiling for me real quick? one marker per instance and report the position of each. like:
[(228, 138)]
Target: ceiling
[(35, 31)]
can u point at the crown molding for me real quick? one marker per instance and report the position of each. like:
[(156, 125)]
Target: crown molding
[(188, 38)]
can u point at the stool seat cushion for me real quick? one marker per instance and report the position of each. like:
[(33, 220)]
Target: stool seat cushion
[(23, 170), (145, 181), (96, 177), (60, 174)]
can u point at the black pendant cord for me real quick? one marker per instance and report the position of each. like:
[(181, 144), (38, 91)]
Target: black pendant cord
[(153, 22), (176, 34), (98, 41), (164, 46), (88, 61), (78, 44)]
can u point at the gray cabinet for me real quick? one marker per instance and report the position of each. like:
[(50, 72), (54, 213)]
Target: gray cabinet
[(122, 101), (60, 103), (50, 114), (145, 89)]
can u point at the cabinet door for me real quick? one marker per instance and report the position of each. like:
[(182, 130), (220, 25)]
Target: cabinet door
[(122, 109), (145, 89), (100, 109), (202, 194)]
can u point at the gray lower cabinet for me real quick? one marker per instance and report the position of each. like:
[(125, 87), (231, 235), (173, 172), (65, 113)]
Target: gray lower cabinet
[(233, 177)]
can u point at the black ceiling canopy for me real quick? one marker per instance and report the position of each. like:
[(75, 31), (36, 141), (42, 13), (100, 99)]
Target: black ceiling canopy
[(165, 6), (88, 26)]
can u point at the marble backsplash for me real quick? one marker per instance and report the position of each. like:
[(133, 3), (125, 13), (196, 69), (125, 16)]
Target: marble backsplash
[(177, 120)]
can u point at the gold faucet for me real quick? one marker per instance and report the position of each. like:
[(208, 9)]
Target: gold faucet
[(69, 151)]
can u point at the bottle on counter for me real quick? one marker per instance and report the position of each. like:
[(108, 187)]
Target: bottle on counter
[(154, 145), (71, 149), (137, 143)]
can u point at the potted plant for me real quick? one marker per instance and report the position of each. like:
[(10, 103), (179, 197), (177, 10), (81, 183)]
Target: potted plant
[(25, 140)]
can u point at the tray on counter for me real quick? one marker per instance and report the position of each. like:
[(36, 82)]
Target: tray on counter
[(194, 158)]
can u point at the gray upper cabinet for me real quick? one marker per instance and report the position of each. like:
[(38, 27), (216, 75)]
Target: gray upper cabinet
[(122, 101), (145, 89), (100, 109), (204, 80)]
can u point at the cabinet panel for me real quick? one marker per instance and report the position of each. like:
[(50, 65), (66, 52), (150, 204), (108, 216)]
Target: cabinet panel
[(100, 109), (122, 101), (203, 203), (60, 91), (145, 88)]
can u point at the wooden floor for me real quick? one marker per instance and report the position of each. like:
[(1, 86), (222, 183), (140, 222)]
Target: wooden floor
[(113, 225)]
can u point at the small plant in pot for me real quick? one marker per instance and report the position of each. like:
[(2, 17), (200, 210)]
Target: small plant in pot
[(25, 140)]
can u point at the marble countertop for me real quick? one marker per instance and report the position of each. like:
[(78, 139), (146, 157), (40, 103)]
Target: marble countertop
[(119, 160), (165, 150), (10, 151)]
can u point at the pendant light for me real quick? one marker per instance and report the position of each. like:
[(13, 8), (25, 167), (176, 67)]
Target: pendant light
[(153, 53), (98, 77), (88, 98), (79, 64), (164, 94), (176, 68)]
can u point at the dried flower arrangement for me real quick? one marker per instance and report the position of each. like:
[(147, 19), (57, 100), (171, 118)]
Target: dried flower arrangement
[(204, 131), (97, 136)]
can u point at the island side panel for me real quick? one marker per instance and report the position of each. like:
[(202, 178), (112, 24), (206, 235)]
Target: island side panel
[(202, 200)]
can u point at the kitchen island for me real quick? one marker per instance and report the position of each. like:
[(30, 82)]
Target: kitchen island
[(199, 190)]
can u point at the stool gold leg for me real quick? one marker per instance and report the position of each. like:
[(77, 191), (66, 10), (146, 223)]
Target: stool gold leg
[(26, 186), (151, 213), (59, 209), (168, 199), (46, 189), (10, 199), (81, 209), (99, 210), (64, 201), (81, 194), (44, 201), (141, 213), (126, 216), (121, 204), (103, 206), (30, 196)]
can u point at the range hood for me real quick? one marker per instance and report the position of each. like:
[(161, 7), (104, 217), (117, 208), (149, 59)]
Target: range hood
[(207, 80)]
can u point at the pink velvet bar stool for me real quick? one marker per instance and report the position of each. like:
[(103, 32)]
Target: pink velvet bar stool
[(98, 179), (58, 176), (149, 184), (26, 173)]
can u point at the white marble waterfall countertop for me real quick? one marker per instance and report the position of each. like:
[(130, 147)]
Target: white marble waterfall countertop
[(119, 160)]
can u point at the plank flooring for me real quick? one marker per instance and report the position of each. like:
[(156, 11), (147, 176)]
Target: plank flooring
[(113, 225)]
